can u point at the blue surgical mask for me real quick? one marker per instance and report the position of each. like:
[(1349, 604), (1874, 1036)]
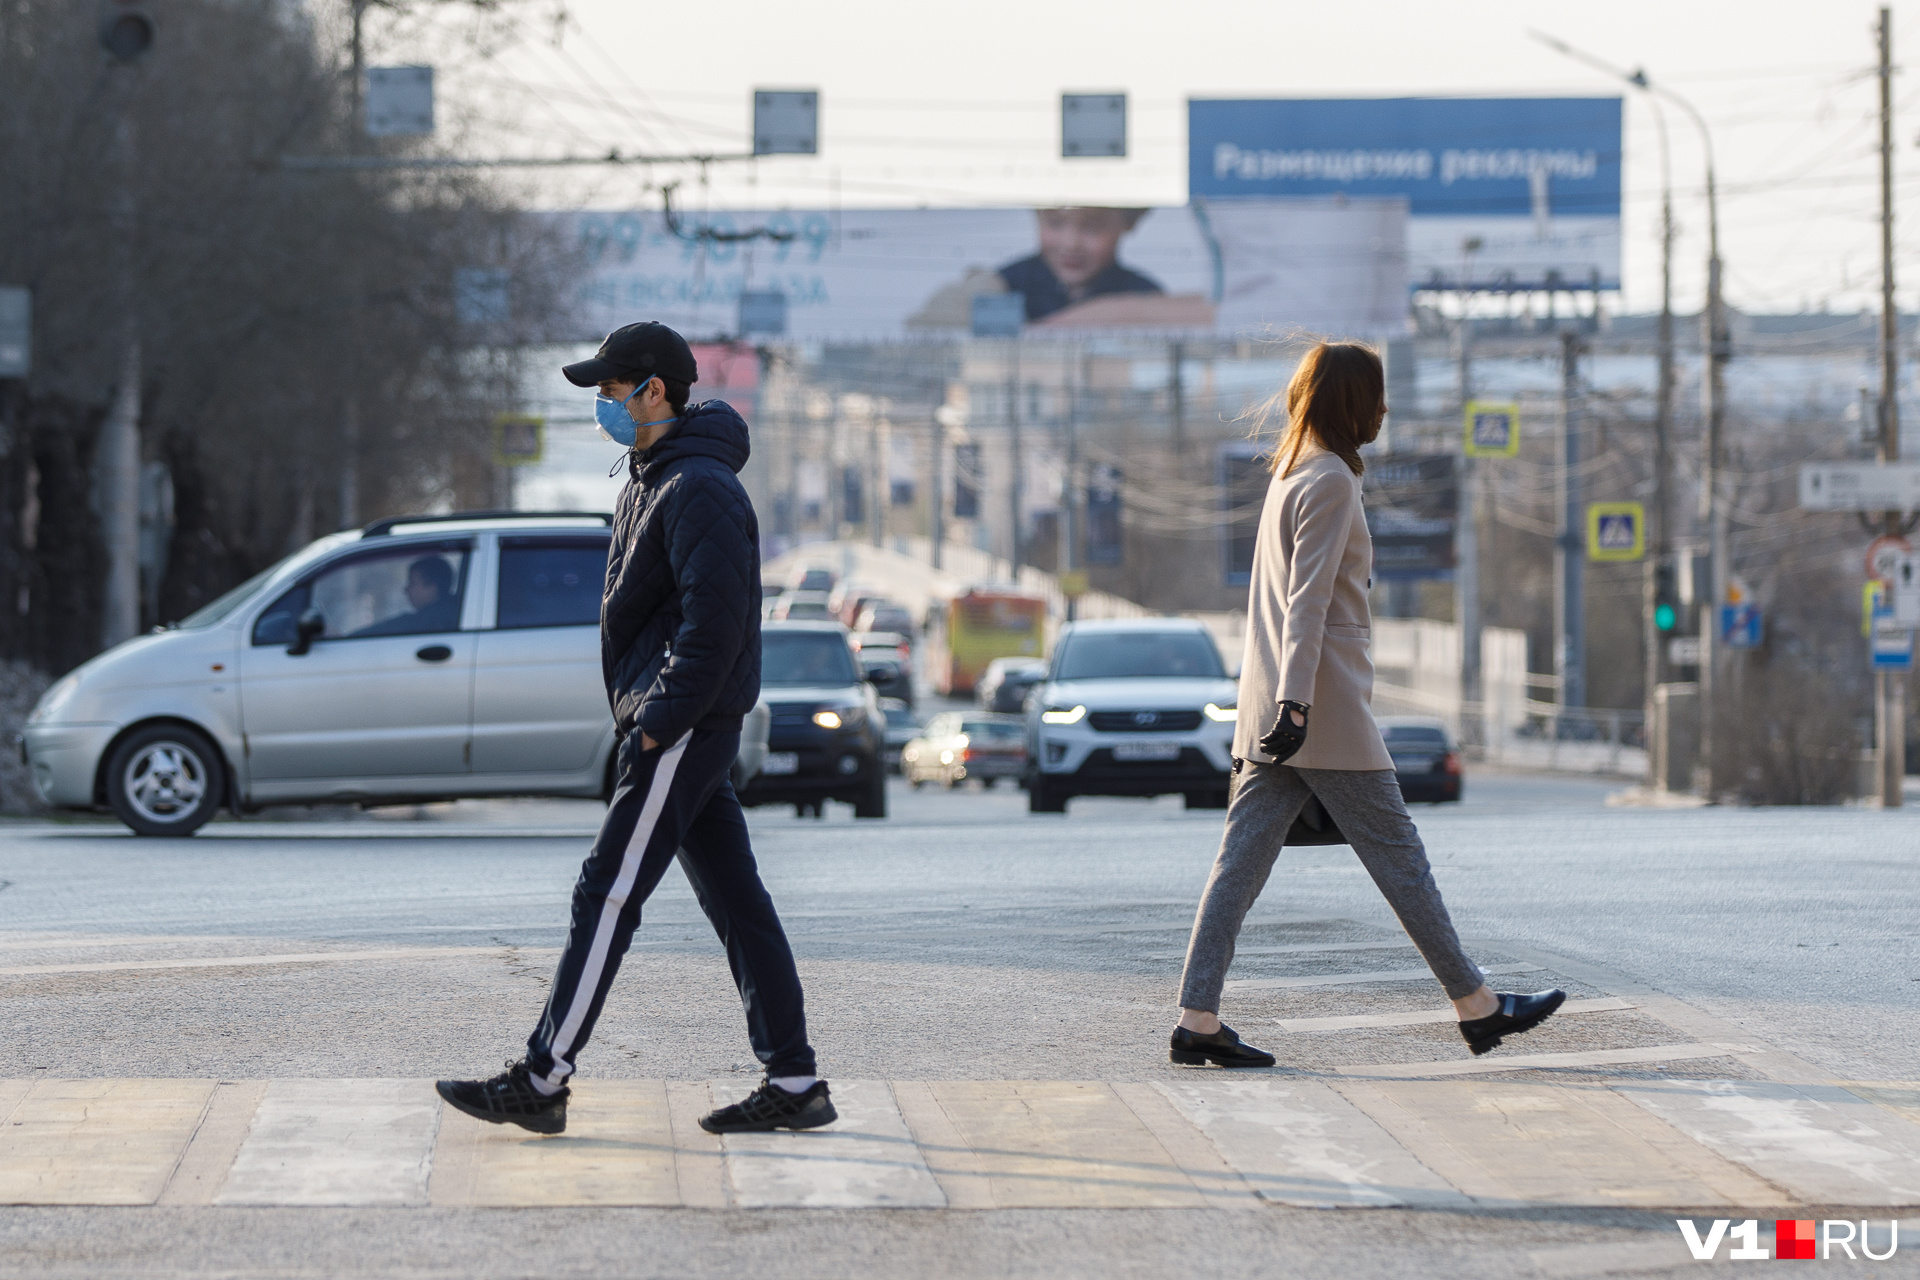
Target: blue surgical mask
[(616, 424)]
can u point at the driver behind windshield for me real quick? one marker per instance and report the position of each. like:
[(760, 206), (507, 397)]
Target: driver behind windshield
[(432, 604)]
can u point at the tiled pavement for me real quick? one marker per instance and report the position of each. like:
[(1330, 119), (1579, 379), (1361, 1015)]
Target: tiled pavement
[(1207, 1139)]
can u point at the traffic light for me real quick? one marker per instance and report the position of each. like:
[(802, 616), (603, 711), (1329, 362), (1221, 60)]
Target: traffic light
[(126, 28), (1666, 599)]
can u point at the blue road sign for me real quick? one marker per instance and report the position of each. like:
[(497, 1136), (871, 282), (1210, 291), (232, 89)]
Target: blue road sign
[(1891, 643), (1740, 626)]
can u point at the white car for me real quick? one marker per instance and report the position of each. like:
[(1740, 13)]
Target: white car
[(421, 658), (1140, 707)]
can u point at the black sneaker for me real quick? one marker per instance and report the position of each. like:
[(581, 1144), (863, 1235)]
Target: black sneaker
[(771, 1107), (508, 1098)]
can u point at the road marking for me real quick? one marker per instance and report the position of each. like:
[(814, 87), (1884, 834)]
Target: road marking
[(89, 941), (699, 1163), (97, 1141), (337, 1142), (215, 1143), (1510, 1144), (1533, 1061), (865, 1160), (241, 962), (1344, 979), (1044, 1144), (1902, 1097), (1823, 1143), (1360, 1020), (1298, 1142), (618, 1150), (1199, 1158), (954, 1165), (1294, 949)]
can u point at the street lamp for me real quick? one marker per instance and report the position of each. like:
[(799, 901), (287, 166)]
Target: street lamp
[(1713, 394)]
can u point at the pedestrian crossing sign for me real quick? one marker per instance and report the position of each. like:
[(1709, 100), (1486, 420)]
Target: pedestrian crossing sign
[(1616, 531), (1493, 430)]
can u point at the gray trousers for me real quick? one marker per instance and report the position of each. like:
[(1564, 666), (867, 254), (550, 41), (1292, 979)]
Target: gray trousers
[(1367, 806)]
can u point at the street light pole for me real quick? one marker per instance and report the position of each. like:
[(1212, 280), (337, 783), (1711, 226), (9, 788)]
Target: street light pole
[(1890, 688)]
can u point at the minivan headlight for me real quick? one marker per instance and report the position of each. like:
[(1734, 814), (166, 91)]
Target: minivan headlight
[(827, 719), (1063, 715), (52, 700), (1221, 715)]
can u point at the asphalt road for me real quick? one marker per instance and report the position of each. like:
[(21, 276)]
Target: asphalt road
[(961, 938)]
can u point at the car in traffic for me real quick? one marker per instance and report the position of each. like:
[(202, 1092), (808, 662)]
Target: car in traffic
[(885, 615), (956, 746), (828, 738), (1426, 758), (1005, 684), (903, 726), (887, 658), (812, 577), (799, 606), (1131, 707), (421, 658)]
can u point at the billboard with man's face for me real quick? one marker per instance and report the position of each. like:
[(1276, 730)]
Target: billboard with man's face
[(1249, 267), (1503, 193)]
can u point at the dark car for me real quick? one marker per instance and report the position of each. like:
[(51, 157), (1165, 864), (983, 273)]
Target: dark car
[(1426, 759), (1005, 684), (885, 615), (902, 727), (887, 658), (828, 737)]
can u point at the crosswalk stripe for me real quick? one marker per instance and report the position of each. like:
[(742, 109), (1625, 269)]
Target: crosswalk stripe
[(1541, 1061), (1358, 1021), (97, 1141), (865, 1160), (241, 962), (1825, 1144), (1518, 1144), (1345, 979), (1299, 1142), (336, 1142)]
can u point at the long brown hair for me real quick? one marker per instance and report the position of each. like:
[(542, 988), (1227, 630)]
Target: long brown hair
[(1336, 396)]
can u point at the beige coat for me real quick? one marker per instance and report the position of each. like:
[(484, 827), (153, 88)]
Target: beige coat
[(1308, 625)]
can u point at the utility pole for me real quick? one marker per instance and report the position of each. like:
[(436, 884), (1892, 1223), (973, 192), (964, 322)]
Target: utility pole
[(1069, 522), (881, 482), (1569, 550), (1466, 529), (1660, 541), (1177, 401), (119, 447), (1890, 688), (937, 495), (1017, 490), (349, 493)]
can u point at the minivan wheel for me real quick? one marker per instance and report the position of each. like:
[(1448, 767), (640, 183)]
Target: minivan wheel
[(166, 780)]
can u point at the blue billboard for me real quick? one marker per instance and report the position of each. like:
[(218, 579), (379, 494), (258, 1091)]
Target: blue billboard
[(1502, 192)]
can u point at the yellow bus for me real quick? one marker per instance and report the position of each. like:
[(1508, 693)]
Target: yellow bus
[(979, 625)]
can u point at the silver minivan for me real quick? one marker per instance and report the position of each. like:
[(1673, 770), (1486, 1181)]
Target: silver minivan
[(421, 658)]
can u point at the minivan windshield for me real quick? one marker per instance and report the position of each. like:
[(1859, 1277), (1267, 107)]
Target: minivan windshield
[(209, 614), (1111, 655), (806, 657)]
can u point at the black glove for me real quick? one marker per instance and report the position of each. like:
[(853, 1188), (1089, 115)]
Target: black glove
[(1286, 737)]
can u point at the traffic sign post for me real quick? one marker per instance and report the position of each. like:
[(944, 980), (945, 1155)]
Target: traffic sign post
[(1492, 430), (1616, 531), (1860, 486), (1741, 626)]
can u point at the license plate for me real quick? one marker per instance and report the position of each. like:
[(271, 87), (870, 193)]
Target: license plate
[(1413, 764), (781, 762), (1146, 751)]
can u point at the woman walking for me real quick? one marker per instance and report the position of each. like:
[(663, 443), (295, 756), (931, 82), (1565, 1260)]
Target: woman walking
[(1304, 725)]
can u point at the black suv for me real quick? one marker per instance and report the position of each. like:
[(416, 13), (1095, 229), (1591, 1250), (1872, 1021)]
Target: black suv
[(828, 737)]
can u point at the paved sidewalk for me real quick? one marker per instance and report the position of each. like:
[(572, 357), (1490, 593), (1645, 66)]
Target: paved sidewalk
[(1207, 1140)]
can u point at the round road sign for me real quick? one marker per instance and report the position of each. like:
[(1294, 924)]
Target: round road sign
[(1883, 552)]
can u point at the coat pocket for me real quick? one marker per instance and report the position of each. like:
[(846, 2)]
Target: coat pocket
[(1351, 630)]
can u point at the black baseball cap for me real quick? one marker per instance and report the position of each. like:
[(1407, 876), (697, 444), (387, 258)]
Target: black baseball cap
[(634, 352)]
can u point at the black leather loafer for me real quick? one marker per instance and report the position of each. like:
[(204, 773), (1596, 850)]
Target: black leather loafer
[(1191, 1049), (1517, 1014)]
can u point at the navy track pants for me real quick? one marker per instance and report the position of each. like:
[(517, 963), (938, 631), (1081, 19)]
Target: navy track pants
[(676, 799)]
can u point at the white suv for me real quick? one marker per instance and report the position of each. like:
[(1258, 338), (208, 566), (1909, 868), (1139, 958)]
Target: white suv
[(421, 658), (1140, 707)]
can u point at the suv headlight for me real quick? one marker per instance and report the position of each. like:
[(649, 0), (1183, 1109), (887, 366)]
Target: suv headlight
[(52, 700), (845, 717), (1221, 715), (1063, 715)]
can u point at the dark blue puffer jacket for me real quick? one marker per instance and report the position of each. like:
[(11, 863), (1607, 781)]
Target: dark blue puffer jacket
[(680, 620)]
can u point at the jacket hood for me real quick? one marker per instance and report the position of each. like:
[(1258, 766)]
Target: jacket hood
[(708, 430)]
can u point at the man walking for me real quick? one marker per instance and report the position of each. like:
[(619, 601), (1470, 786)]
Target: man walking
[(680, 651)]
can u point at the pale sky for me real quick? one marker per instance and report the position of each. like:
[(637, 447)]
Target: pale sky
[(959, 105)]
